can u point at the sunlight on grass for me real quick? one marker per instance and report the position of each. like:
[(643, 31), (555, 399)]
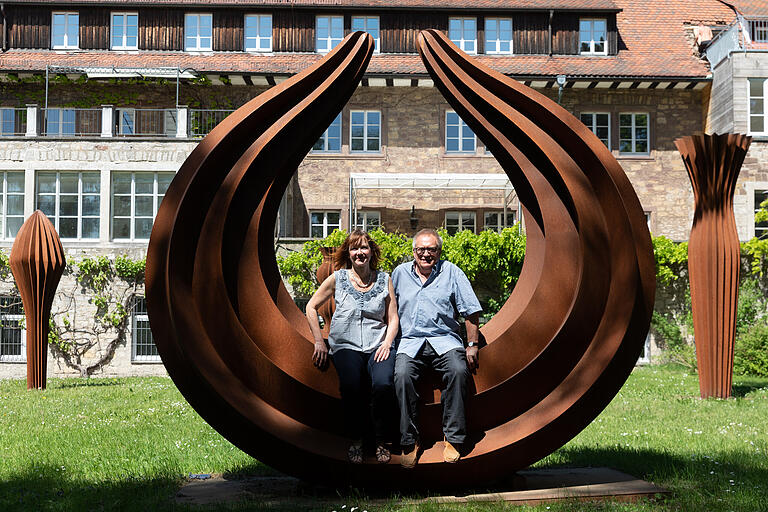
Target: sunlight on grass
[(128, 444)]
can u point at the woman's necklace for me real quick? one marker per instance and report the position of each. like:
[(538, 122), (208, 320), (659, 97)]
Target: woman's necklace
[(356, 280)]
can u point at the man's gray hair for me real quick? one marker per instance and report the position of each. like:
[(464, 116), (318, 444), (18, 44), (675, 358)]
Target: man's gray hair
[(432, 232)]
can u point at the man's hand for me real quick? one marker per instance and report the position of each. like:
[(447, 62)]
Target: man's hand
[(320, 355), (473, 360)]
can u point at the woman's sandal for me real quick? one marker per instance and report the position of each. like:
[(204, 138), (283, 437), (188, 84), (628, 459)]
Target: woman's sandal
[(383, 456), (355, 453)]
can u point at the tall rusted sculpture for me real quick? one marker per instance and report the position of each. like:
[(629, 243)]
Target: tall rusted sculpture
[(558, 351), (37, 262), (713, 163), (325, 269)]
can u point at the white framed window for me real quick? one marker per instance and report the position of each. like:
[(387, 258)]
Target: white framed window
[(761, 228), (330, 140), (365, 131), (495, 220), (136, 196), (459, 137), (143, 348), (124, 31), (457, 221), (13, 336), (633, 133), (498, 36), (758, 124), (600, 124), (60, 122), (648, 220), (65, 30), (71, 201), (463, 33), (12, 203), (368, 24), (759, 30), (198, 32), (368, 220), (258, 33), (329, 31), (592, 36), (322, 223)]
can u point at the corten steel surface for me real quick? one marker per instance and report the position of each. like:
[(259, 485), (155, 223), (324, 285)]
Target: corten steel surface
[(556, 353), (37, 262), (325, 269), (713, 163)]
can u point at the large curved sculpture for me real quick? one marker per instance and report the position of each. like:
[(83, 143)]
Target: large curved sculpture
[(714, 254), (556, 354), (37, 262)]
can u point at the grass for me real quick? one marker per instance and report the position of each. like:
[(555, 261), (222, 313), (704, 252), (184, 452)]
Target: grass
[(128, 444)]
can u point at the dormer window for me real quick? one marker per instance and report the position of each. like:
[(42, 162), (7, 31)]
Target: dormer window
[(198, 32), (368, 24), (463, 33), (498, 36), (329, 31), (65, 30), (592, 36)]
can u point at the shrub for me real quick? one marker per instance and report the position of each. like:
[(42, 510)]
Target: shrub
[(751, 351)]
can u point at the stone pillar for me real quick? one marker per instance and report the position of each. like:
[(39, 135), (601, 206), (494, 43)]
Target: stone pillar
[(182, 130), (31, 120), (107, 121)]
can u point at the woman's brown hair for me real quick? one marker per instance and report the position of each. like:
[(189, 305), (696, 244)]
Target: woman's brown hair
[(355, 239)]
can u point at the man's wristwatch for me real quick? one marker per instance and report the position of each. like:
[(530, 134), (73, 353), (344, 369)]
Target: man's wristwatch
[(471, 344)]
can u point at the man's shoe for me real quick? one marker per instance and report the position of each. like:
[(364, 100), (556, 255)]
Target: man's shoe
[(409, 459), (450, 454)]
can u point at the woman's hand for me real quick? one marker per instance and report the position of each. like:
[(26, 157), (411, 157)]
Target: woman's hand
[(320, 355), (382, 353)]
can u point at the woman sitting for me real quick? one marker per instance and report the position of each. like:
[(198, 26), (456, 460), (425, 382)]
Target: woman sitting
[(363, 328)]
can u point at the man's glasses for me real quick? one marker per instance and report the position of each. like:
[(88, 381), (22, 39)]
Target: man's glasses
[(421, 250)]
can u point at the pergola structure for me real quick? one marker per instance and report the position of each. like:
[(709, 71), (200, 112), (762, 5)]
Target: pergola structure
[(430, 181)]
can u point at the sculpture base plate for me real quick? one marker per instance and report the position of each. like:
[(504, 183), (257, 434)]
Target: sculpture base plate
[(525, 487)]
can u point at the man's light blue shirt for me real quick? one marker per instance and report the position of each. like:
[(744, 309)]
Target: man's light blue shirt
[(428, 312)]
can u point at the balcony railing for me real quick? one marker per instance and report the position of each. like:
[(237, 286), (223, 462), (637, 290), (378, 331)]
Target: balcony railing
[(107, 121), (201, 122), (723, 44)]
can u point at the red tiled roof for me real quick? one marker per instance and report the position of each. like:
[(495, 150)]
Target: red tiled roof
[(652, 44), (751, 7), (608, 5)]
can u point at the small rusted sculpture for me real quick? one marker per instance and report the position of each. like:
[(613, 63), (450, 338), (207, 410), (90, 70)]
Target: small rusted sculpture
[(713, 163), (558, 351), (37, 262)]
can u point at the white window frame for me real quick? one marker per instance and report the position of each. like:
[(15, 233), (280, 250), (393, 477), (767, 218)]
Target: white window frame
[(497, 42), (326, 139), (498, 225), (56, 217), (258, 38), (460, 216), (4, 317), (68, 45), (461, 42), (198, 47), (759, 231), (326, 226), (365, 126), (137, 317), (762, 98), (375, 33), (592, 125), (364, 218), (461, 125), (156, 196), (330, 41), (4, 115), (634, 129), (124, 45), (592, 41), (59, 124), (5, 194)]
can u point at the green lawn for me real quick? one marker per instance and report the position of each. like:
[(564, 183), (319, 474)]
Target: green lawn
[(124, 444)]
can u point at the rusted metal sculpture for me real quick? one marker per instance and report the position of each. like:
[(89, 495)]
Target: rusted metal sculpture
[(325, 269), (713, 163), (37, 262), (558, 351)]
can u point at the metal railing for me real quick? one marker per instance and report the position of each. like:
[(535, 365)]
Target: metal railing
[(69, 122), (13, 122), (145, 122), (201, 121), (723, 45)]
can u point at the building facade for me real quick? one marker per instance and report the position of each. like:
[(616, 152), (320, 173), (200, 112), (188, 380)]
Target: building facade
[(101, 102)]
